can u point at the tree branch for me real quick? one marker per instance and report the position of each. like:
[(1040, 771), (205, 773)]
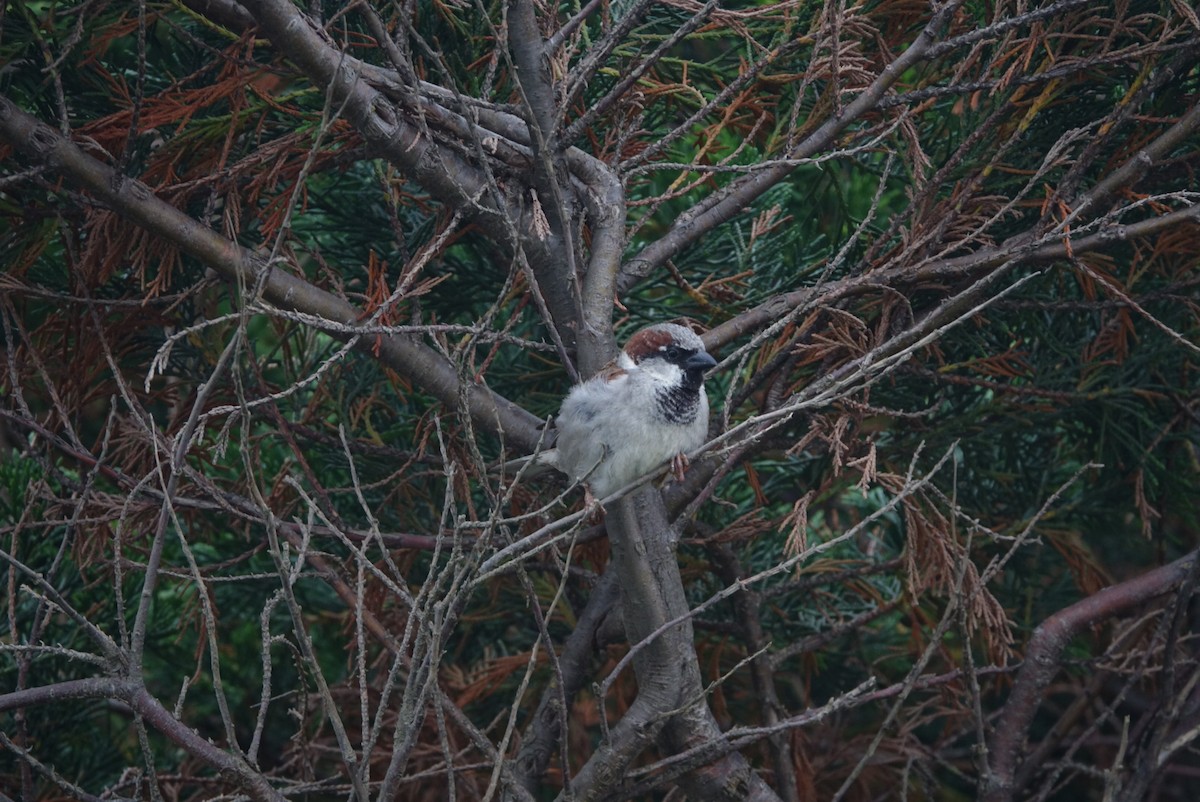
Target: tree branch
[(134, 200), (1043, 657), (731, 200), (949, 269), (144, 704), (457, 182)]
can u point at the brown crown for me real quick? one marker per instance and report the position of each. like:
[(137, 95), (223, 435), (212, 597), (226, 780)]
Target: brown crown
[(647, 342)]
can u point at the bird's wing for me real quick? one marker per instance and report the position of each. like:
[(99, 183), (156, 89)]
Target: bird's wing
[(610, 372)]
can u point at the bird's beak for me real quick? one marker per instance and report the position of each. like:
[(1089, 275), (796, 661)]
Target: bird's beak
[(699, 361)]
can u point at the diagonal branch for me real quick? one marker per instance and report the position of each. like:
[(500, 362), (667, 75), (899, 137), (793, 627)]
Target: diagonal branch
[(724, 205), (133, 200), (1044, 657), (1016, 251), (150, 709), (440, 169), (576, 128)]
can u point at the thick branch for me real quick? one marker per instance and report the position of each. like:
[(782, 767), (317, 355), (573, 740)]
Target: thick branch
[(1044, 657), (559, 37), (670, 691), (92, 688), (532, 74), (438, 169), (557, 277), (606, 210), (134, 201), (194, 744), (454, 180)]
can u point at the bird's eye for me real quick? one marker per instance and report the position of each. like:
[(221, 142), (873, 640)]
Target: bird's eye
[(674, 352)]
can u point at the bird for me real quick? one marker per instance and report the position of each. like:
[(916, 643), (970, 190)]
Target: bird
[(644, 408)]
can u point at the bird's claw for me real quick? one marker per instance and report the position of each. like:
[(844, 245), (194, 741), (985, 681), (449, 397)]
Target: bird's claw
[(592, 507), (679, 464)]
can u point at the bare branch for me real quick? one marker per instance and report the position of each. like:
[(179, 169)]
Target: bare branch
[(281, 288), (1044, 658)]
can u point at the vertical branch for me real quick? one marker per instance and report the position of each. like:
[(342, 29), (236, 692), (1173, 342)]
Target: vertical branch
[(550, 187)]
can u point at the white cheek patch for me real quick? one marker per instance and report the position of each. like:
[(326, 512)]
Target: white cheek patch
[(662, 373)]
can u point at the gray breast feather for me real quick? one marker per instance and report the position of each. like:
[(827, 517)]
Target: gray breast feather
[(637, 436)]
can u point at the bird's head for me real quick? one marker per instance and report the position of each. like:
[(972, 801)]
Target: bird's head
[(671, 353)]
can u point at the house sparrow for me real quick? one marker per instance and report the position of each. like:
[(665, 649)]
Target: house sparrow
[(646, 407)]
